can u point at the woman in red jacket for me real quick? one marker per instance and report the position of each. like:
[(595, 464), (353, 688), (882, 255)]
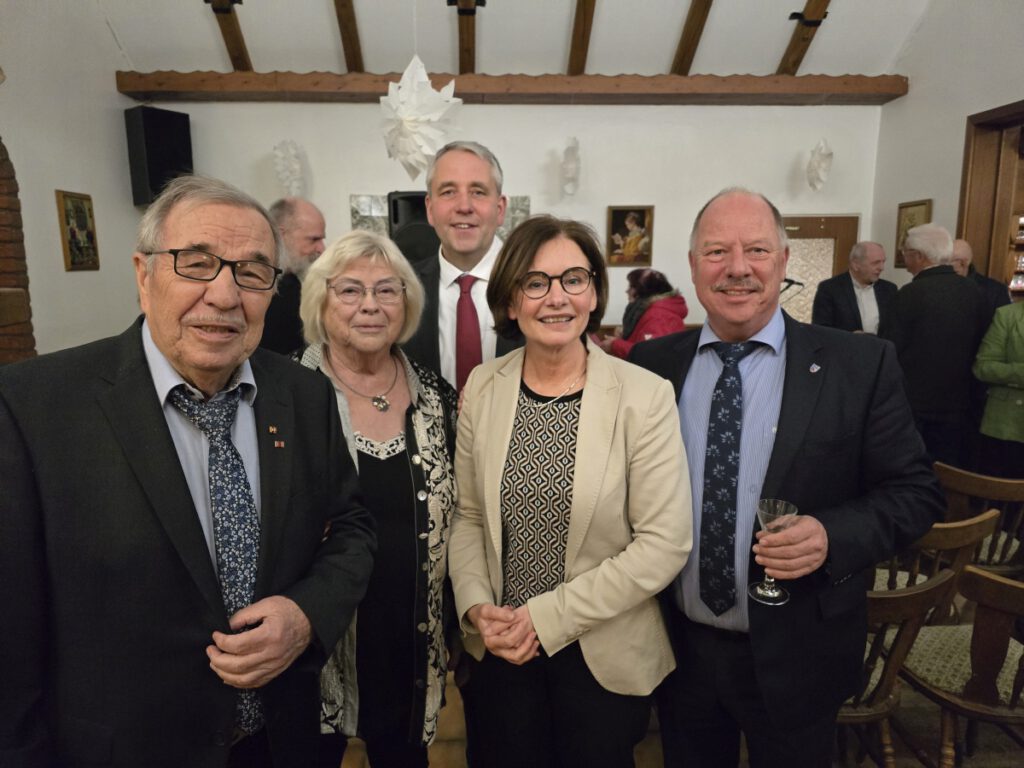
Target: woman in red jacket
[(655, 309)]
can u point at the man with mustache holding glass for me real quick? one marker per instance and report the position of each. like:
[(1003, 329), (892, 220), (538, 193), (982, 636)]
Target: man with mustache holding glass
[(816, 417), (181, 535)]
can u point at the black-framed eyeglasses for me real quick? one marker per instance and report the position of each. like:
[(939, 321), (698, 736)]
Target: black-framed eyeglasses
[(194, 264), (390, 291), (535, 285)]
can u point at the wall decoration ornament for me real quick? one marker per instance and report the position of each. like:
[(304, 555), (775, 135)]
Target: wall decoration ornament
[(570, 167), (630, 233), (908, 216), (288, 166), (417, 118), (77, 231), (819, 166)]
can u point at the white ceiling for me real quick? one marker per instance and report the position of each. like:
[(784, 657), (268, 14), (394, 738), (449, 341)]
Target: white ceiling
[(513, 36)]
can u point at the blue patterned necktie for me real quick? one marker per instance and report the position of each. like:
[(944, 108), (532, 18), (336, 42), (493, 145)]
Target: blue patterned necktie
[(236, 525), (721, 474)]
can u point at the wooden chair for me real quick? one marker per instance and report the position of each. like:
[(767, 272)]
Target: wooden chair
[(976, 672), (894, 619), (946, 546), (968, 493)]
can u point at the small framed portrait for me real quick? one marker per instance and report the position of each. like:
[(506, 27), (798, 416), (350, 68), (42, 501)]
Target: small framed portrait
[(910, 215), (77, 231), (630, 234)]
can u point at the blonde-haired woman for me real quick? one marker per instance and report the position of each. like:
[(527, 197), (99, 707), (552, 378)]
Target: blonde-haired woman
[(360, 300)]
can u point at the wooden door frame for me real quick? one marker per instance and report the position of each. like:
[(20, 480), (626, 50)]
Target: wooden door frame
[(991, 165), (842, 229)]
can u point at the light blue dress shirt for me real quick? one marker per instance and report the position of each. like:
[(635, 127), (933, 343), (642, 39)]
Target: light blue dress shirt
[(763, 372), (191, 444)]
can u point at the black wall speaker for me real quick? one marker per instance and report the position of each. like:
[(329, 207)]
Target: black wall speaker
[(159, 148), (408, 225)]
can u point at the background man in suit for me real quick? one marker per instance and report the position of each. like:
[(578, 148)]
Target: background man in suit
[(937, 323), (857, 299), (181, 537), (465, 206), (302, 230), (996, 294), (824, 424)]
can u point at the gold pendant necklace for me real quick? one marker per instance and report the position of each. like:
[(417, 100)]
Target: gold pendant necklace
[(380, 402)]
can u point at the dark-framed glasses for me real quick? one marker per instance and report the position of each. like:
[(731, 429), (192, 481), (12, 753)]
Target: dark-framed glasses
[(193, 264), (390, 291), (535, 285)]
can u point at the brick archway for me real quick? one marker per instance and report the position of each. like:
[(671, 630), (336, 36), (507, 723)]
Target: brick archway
[(17, 341)]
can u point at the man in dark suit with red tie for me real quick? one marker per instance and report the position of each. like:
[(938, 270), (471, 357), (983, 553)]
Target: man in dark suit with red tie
[(465, 206), (820, 420), (181, 536), (858, 299)]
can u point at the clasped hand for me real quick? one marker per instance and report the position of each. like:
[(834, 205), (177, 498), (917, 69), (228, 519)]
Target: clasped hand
[(792, 552), (507, 632), (251, 659)]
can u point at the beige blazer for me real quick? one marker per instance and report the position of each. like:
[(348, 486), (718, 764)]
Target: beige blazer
[(629, 527)]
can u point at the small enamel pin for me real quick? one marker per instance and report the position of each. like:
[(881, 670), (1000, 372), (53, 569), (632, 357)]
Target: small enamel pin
[(815, 367), (272, 429), (279, 443)]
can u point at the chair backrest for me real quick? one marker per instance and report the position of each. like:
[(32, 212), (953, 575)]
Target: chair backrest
[(1000, 604), (968, 493), (895, 616), (946, 546)]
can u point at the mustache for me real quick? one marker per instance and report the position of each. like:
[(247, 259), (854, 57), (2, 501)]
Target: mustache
[(233, 322), (739, 284)]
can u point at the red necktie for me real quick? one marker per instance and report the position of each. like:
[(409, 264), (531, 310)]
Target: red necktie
[(467, 332)]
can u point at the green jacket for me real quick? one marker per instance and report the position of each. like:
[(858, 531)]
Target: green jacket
[(1000, 363)]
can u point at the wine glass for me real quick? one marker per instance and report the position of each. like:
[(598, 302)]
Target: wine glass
[(774, 515)]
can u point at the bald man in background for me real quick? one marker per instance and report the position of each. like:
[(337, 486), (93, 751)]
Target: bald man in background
[(996, 294), (302, 229)]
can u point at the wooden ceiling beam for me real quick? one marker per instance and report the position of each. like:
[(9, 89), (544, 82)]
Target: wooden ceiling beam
[(690, 39), (364, 87), (467, 33), (346, 13), (807, 24), (582, 23), (231, 31)]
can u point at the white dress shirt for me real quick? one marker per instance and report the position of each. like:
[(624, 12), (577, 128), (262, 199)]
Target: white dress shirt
[(867, 304), (448, 298)]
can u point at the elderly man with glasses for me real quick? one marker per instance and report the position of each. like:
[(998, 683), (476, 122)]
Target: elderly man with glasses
[(181, 538)]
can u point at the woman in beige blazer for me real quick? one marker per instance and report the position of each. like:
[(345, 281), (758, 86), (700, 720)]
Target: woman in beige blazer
[(573, 513)]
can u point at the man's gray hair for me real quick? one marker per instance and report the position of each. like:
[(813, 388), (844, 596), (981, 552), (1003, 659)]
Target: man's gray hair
[(931, 241), (193, 191), (473, 148), (860, 250), (780, 226)]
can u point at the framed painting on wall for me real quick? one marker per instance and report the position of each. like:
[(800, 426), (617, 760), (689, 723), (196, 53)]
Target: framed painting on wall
[(77, 231), (910, 215), (630, 234)]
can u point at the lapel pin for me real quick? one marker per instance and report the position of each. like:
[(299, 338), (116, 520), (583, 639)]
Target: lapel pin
[(272, 429), (279, 443), (815, 367)]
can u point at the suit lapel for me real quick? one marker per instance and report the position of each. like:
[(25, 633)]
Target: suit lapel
[(130, 404), (503, 405), (805, 374), (275, 437), (850, 297), (598, 413), (429, 271)]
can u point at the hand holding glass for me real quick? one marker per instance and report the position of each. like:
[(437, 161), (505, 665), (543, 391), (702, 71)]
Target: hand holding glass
[(774, 515)]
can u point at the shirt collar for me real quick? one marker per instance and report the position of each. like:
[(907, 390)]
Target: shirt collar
[(165, 378), (772, 335), (482, 271)]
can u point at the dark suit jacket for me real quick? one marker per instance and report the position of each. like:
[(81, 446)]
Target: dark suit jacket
[(109, 593), (282, 327), (996, 294), (937, 323), (424, 347), (846, 452), (835, 303)]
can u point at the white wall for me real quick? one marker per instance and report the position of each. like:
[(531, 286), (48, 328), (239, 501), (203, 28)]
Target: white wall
[(964, 58), (61, 120)]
